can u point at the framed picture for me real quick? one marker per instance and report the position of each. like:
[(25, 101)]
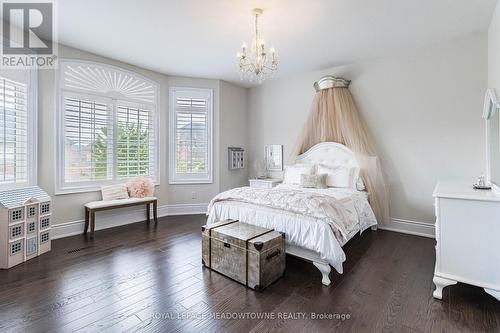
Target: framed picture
[(274, 157)]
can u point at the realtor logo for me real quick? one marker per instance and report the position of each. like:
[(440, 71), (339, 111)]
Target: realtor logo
[(28, 35)]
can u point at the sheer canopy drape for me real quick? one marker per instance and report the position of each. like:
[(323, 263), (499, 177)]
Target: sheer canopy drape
[(334, 117)]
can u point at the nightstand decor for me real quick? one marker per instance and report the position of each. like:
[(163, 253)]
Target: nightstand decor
[(264, 182)]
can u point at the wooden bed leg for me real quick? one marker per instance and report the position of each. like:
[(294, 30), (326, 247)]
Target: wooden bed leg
[(325, 271), (374, 227)]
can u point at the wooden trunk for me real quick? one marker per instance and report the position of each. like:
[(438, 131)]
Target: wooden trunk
[(251, 255)]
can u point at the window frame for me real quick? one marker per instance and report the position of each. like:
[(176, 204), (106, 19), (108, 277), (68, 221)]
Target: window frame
[(174, 177), (62, 187), (32, 133)]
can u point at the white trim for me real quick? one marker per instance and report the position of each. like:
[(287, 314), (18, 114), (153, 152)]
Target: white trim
[(185, 209), (423, 229), (174, 178), (33, 128), (114, 218)]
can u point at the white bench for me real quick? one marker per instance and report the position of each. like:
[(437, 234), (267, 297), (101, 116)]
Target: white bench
[(95, 206)]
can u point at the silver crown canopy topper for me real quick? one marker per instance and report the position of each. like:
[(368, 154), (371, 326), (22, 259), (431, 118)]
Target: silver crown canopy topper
[(330, 81)]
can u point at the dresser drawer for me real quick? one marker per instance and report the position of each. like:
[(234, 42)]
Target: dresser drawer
[(468, 239)]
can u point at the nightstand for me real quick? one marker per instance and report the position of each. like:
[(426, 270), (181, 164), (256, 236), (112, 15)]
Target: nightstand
[(264, 183)]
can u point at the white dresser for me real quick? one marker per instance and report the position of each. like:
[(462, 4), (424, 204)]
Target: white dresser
[(264, 183), (468, 237)]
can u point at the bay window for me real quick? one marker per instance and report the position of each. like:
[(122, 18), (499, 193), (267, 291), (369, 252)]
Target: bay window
[(108, 126)]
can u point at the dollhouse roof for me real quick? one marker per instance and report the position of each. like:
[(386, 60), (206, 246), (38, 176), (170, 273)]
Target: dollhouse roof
[(21, 196)]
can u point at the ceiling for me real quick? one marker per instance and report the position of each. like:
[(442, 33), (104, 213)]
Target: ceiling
[(200, 38)]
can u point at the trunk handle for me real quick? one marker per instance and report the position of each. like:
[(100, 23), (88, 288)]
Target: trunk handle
[(273, 254)]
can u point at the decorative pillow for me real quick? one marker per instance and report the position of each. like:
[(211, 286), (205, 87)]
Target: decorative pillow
[(114, 192), (313, 181), (293, 173), (338, 176), (140, 187)]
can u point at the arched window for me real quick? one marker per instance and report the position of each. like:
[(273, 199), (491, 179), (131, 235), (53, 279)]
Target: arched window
[(107, 126)]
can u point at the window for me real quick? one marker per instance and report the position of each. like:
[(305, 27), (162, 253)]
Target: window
[(108, 126), (16, 214), (16, 247), (31, 211), (44, 238), (45, 223), (16, 231), (190, 135), (45, 207), (17, 128), (31, 227)]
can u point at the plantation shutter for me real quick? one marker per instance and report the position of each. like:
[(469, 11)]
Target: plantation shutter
[(107, 126), (136, 141), (13, 132), (192, 126), (88, 135)]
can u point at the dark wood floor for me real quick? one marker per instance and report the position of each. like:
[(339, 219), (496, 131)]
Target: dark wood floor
[(150, 279)]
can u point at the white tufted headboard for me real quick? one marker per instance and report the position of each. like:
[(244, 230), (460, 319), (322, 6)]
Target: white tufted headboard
[(331, 153)]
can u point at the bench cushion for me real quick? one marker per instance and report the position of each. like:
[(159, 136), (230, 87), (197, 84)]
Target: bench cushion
[(111, 203)]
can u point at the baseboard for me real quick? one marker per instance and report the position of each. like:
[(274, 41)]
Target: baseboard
[(410, 227), (114, 218), (185, 209), (120, 217)]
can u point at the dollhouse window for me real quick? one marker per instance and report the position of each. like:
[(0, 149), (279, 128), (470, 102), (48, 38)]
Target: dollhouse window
[(44, 238), (16, 247), (45, 223), (16, 231), (16, 214), (45, 208)]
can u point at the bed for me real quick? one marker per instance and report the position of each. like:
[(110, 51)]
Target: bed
[(316, 222)]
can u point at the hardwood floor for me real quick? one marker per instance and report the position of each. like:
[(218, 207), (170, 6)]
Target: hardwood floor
[(150, 279)]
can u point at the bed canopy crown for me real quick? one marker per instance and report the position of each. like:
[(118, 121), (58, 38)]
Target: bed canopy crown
[(330, 81)]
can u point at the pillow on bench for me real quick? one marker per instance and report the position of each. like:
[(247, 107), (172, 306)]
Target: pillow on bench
[(114, 192)]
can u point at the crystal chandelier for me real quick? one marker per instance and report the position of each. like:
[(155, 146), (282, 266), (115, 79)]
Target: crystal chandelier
[(255, 63)]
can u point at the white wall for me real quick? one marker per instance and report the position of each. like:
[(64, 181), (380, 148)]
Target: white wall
[(233, 132), (69, 207), (494, 50), (423, 109)]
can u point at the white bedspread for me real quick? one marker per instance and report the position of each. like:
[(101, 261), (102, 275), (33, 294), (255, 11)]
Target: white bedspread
[(305, 225)]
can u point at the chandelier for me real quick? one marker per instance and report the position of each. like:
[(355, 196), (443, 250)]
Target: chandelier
[(254, 63)]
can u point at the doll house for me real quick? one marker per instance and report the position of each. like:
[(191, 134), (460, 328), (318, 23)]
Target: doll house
[(25, 215)]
